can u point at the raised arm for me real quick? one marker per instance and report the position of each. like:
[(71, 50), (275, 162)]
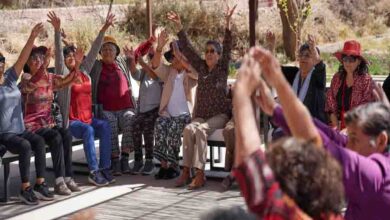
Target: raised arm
[(162, 40), (186, 47), (247, 135), (55, 21), (148, 70), (90, 59), (270, 41), (227, 40), (297, 116), (24, 55)]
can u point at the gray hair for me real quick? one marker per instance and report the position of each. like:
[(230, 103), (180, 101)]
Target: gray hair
[(373, 118)]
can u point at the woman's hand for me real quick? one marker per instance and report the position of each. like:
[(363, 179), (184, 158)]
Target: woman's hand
[(162, 40), (110, 20), (54, 20), (228, 15), (269, 65), (313, 48), (37, 29), (380, 94), (175, 18)]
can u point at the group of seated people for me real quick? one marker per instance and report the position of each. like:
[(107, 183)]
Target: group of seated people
[(96, 100), (337, 155)]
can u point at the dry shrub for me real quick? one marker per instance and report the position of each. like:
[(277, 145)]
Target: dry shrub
[(368, 17), (200, 23)]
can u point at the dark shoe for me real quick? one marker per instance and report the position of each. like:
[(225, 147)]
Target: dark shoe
[(42, 192), (227, 182), (107, 175), (125, 165), (184, 178), (72, 185), (97, 179), (28, 197), (172, 173), (116, 167), (161, 173), (62, 189), (148, 167), (137, 167)]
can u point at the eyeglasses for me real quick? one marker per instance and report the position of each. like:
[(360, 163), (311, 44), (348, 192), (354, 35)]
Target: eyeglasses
[(37, 57), (210, 51), (2, 59), (304, 56), (349, 59)]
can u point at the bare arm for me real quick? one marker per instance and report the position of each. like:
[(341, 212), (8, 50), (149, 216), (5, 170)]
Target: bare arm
[(247, 136), (187, 49), (162, 40), (24, 55)]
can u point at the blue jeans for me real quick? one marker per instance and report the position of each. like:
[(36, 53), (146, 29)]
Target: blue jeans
[(87, 132)]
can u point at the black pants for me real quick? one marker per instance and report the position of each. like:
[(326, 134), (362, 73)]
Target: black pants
[(22, 145), (60, 144), (143, 125)]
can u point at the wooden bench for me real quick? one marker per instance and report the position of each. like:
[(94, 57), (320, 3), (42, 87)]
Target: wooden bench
[(8, 158), (215, 140)]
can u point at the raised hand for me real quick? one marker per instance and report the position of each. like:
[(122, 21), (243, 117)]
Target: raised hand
[(129, 53), (229, 12), (270, 40), (175, 18), (110, 20), (54, 20), (313, 50), (380, 94), (63, 34), (269, 65), (162, 40), (248, 78), (37, 29)]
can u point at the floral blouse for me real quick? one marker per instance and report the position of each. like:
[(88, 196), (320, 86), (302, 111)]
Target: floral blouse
[(362, 92), (38, 94)]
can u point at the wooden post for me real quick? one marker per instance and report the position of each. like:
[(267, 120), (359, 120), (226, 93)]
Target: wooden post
[(252, 22), (149, 16), (261, 118)]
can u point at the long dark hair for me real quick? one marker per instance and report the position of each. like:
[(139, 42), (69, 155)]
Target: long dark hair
[(360, 70)]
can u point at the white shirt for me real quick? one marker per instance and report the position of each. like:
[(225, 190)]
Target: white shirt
[(177, 104)]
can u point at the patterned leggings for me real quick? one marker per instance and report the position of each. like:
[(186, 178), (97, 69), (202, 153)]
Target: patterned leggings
[(120, 121), (168, 133), (143, 125)]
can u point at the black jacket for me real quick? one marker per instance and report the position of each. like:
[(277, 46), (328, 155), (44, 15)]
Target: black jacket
[(386, 86), (316, 94)]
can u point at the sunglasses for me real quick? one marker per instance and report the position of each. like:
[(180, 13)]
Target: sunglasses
[(304, 56), (349, 59), (210, 51), (2, 59)]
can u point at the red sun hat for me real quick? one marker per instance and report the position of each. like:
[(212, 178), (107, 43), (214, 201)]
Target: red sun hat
[(351, 48)]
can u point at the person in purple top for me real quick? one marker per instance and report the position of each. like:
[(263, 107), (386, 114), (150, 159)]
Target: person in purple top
[(363, 154)]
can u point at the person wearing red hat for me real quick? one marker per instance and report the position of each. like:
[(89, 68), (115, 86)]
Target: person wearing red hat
[(351, 86)]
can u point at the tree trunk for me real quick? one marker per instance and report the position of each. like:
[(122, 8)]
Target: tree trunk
[(291, 34)]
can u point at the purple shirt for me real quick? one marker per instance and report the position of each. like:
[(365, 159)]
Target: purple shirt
[(366, 179)]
